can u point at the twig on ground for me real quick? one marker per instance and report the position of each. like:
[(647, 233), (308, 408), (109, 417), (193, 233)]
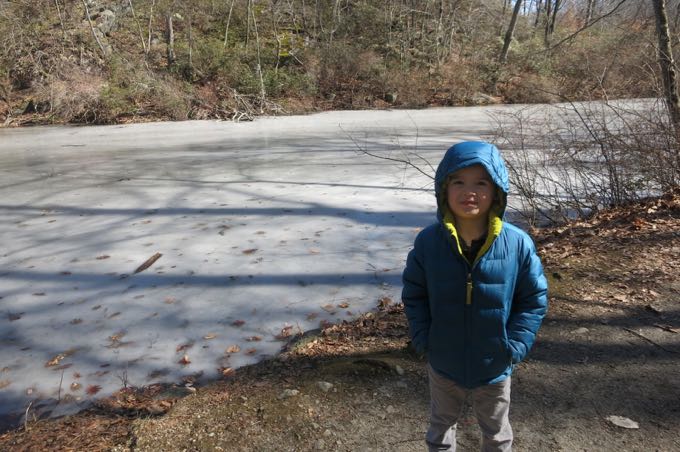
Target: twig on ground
[(26, 416), (148, 263), (641, 336)]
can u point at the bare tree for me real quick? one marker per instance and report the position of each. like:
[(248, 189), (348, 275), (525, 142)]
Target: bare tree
[(92, 28), (666, 63), (508, 34), (170, 38)]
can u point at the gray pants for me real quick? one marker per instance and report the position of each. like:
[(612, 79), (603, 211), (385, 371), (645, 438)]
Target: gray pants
[(490, 404)]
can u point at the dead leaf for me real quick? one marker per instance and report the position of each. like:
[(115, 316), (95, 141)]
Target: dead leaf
[(249, 251), (233, 349), (210, 336), (285, 333), (384, 302), (170, 300), (251, 351), (343, 305), (55, 361), (227, 372), (328, 308), (14, 317), (238, 322), (312, 316), (93, 389), (254, 338), (185, 360), (182, 347), (76, 321), (148, 263), (4, 383), (75, 386)]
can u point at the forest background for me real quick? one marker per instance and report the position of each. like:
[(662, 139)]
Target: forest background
[(112, 61)]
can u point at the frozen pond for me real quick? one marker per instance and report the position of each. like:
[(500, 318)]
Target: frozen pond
[(265, 229)]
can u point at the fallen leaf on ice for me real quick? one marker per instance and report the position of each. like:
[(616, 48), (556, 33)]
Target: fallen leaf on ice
[(209, 336), (254, 338), (285, 333), (93, 389), (75, 386), (227, 372), (4, 383), (312, 316), (182, 347), (249, 251), (102, 257), (233, 349), (623, 422), (344, 305), (251, 351), (238, 322), (185, 360), (55, 361)]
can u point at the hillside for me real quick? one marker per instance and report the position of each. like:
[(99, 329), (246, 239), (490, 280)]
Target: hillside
[(112, 61)]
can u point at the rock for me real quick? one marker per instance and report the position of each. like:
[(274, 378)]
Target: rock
[(623, 422), (390, 409), (288, 393), (106, 21), (324, 386), (320, 445), (391, 97), (399, 369), (484, 99), (581, 331)]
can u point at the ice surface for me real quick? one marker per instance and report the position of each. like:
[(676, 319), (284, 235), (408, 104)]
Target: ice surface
[(279, 224)]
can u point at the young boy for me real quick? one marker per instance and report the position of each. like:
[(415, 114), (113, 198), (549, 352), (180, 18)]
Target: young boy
[(474, 295)]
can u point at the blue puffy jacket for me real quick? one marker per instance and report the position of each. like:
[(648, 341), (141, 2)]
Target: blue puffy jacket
[(475, 320)]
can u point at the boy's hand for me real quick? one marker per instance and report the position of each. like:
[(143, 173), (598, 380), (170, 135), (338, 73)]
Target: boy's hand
[(413, 353)]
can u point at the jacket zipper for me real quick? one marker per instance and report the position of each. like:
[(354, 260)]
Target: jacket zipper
[(468, 298)]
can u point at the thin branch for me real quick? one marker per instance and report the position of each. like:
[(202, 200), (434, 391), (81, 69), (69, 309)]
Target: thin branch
[(383, 157), (226, 31), (94, 33), (585, 27), (139, 27)]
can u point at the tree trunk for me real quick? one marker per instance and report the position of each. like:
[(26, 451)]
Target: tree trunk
[(666, 63), (170, 39), (508, 34), (226, 30), (539, 3), (589, 12), (556, 8)]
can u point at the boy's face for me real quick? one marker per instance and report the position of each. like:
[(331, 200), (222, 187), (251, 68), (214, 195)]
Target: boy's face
[(470, 193)]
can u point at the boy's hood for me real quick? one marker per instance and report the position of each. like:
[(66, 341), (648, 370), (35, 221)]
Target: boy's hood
[(470, 153)]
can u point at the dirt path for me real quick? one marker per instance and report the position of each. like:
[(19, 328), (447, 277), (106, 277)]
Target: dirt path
[(610, 346)]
